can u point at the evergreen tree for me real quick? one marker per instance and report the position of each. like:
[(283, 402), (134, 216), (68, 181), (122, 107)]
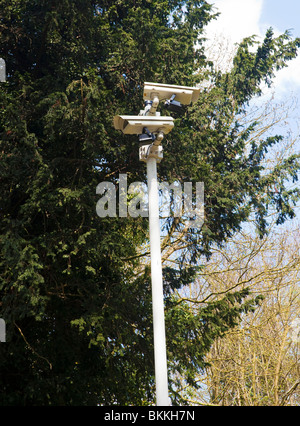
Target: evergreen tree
[(78, 314)]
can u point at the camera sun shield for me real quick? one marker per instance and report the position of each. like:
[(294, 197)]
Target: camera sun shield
[(135, 124), (185, 95)]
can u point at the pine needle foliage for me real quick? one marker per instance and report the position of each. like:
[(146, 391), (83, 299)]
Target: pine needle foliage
[(78, 311)]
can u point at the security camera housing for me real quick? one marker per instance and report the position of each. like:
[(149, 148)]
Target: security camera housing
[(146, 137), (174, 106), (135, 124), (184, 94)]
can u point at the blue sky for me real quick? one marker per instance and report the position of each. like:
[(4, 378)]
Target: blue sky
[(282, 14), (242, 18)]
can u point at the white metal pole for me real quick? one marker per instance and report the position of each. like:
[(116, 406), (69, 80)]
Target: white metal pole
[(160, 355)]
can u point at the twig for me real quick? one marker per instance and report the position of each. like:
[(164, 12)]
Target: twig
[(31, 348)]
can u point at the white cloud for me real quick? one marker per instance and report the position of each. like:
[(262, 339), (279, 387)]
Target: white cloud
[(287, 80), (240, 19)]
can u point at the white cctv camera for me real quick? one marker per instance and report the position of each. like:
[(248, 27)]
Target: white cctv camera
[(183, 94), (136, 124)]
